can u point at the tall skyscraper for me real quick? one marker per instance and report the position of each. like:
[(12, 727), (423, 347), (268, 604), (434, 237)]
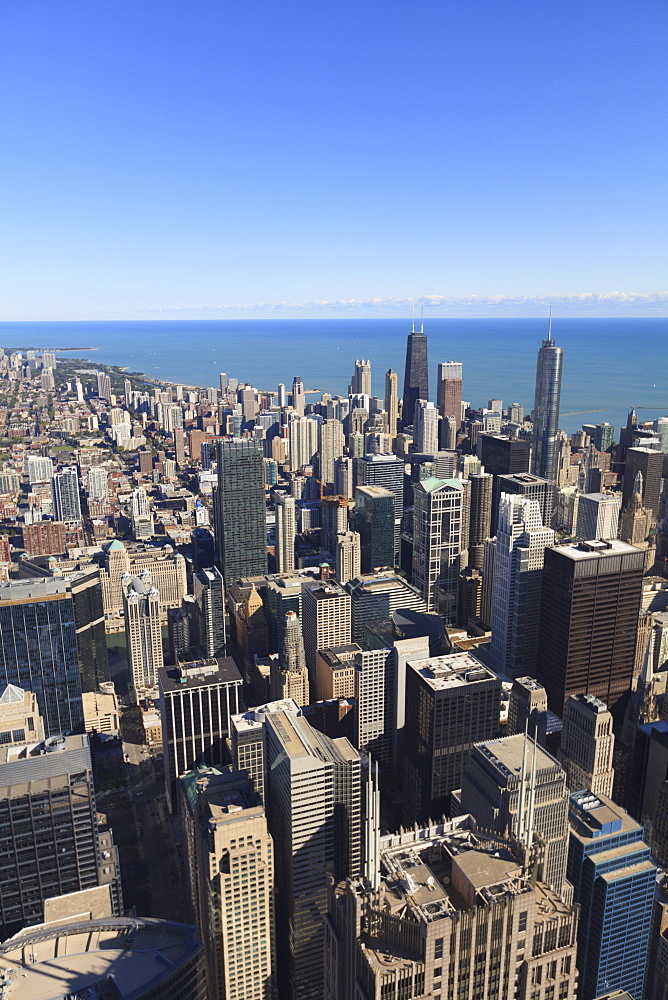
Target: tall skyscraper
[(589, 622), (502, 456), (531, 488), (374, 521), (611, 871), (241, 522), (392, 402), (388, 471), (197, 699), (546, 409), (103, 386), (49, 839), (598, 516), (416, 377), (325, 619), (65, 492), (452, 702), (140, 512), (348, 556), (97, 483), (527, 709), (209, 594), (425, 431), (313, 791), (649, 463), (297, 398), (230, 861), (361, 380), (289, 676), (587, 745), (521, 541), (332, 444), (437, 543), (376, 597), (143, 633), (286, 531), (303, 438), (480, 517), (449, 391), (343, 477)]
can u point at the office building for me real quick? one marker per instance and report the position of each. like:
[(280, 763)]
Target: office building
[(613, 877), (140, 514), (335, 672), (374, 598), (163, 567), (143, 634), (502, 456), (38, 649), (480, 516), (587, 745), (545, 459), (649, 770), (348, 556), (598, 516), (343, 477), (449, 391), (303, 439), (49, 838), (604, 436), (241, 516), (452, 702), (313, 791), (636, 520), (101, 711), (513, 787), (97, 483), (289, 676), (589, 622), (230, 863), (521, 541), (331, 447), (333, 520), (392, 402), (374, 521), (531, 488), (361, 380), (527, 709), (416, 377), (452, 914), (325, 619), (286, 531), (375, 709), (197, 699), (425, 431), (89, 623), (104, 958), (65, 495), (387, 471), (209, 594), (20, 719), (438, 543), (649, 463)]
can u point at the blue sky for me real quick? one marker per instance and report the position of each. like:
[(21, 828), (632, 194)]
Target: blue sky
[(322, 157)]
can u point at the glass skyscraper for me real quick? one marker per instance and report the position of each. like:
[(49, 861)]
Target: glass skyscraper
[(546, 410), (241, 515), (416, 378)]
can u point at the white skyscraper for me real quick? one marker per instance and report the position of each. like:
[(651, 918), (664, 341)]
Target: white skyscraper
[(348, 556), (140, 513), (303, 436), (332, 442), (98, 488), (39, 469), (143, 631), (65, 492), (598, 517), (521, 541), (426, 428), (286, 530), (361, 380)]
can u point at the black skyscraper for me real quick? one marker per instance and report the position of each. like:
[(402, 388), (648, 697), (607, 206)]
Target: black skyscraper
[(416, 379), (546, 410), (241, 533)]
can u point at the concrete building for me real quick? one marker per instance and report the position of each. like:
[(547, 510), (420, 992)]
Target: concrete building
[(325, 620), (392, 402), (452, 702), (20, 719), (587, 745), (209, 595), (348, 556), (230, 864), (44, 538), (166, 570), (100, 710), (387, 471), (140, 514), (143, 634), (289, 676), (286, 530), (598, 516), (649, 463), (530, 487), (438, 543), (449, 391), (65, 494), (376, 597), (527, 709), (449, 913), (335, 672)]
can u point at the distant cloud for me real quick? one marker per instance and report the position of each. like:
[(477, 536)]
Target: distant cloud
[(573, 304)]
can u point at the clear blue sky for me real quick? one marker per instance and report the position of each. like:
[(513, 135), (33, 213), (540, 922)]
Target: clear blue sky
[(202, 155)]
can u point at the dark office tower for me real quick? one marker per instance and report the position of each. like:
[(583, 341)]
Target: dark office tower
[(388, 471), (196, 701), (604, 436), (589, 622), (49, 841), (374, 520), (209, 593), (502, 456), (532, 488), (242, 539), (86, 591), (449, 391), (545, 459), (416, 379), (38, 649), (650, 464), (480, 518), (452, 702)]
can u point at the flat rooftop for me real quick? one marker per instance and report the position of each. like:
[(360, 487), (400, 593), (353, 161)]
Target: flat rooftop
[(454, 670), (33, 589), (595, 817), (199, 673), (595, 549), (507, 754)]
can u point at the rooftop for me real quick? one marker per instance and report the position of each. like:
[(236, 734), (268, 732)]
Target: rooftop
[(507, 755), (199, 673), (597, 816), (32, 589), (455, 670), (595, 549)]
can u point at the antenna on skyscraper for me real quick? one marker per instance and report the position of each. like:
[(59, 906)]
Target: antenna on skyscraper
[(549, 328), (422, 317), (413, 309)]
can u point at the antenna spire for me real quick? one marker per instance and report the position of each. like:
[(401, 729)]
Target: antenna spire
[(549, 328), (413, 323), (422, 317)]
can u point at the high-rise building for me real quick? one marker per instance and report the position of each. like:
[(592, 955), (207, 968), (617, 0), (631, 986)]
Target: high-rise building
[(598, 516), (20, 718), (303, 438), (348, 556), (38, 649), (527, 709), (480, 516), (331, 446), (103, 386), (502, 456), (449, 391), (521, 541), (587, 745), (438, 554), (376, 597), (230, 861), (313, 791), (546, 410), (425, 431), (374, 521), (361, 380), (649, 463), (143, 633), (513, 786), (343, 477), (286, 531), (98, 488), (392, 402), (333, 521), (613, 877), (209, 594), (636, 520), (387, 471), (589, 621), (325, 619), (531, 488), (49, 838), (65, 493), (454, 914), (289, 676), (297, 397), (140, 513), (241, 522), (416, 377), (197, 699), (452, 702), (39, 469)]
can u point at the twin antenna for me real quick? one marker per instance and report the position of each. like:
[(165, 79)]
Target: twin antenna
[(421, 318)]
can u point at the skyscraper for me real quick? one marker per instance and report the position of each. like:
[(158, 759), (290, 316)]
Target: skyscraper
[(388, 471), (437, 543), (416, 378), (649, 463), (361, 380), (598, 516), (332, 443), (546, 409), (241, 522), (587, 745), (286, 531), (376, 597), (532, 488), (391, 402), (480, 517), (289, 676), (325, 619), (65, 492), (348, 556), (374, 521), (140, 512), (521, 541), (425, 431), (143, 633), (502, 456), (589, 622), (449, 390), (209, 594)]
